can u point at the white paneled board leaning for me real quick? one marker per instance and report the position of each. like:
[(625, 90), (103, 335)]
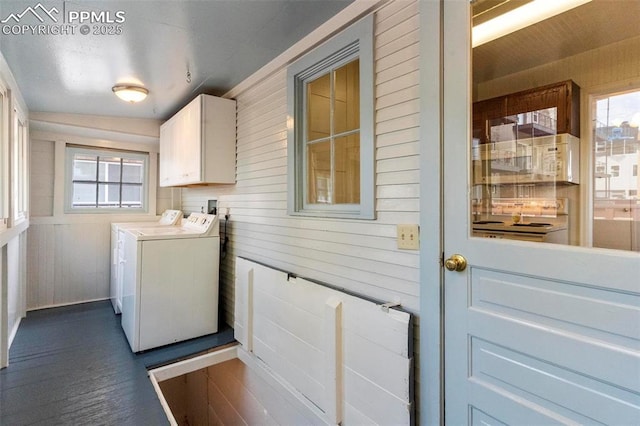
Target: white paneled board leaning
[(336, 357)]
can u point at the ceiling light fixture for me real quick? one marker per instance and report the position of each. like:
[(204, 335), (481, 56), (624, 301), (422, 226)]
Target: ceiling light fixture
[(130, 93), (521, 17)]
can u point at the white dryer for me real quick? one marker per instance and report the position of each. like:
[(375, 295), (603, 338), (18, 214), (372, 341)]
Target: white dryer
[(170, 282), (168, 218)]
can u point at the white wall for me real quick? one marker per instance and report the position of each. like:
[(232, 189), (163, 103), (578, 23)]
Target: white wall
[(69, 254), (617, 63), (331, 250), (12, 238), (360, 255)]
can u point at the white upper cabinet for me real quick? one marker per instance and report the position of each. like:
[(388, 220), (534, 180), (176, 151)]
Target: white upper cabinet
[(198, 144)]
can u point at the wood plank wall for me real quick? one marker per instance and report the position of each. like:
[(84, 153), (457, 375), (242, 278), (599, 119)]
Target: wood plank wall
[(348, 356), (360, 255), (68, 256), (67, 263), (41, 177), (308, 354)]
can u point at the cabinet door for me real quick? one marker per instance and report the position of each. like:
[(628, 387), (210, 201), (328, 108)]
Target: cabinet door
[(563, 98), (483, 113), (197, 145), (167, 153), (180, 147), (187, 144)]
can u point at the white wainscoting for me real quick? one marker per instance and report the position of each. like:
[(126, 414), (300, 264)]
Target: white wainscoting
[(15, 283), (68, 254), (68, 259), (67, 263)]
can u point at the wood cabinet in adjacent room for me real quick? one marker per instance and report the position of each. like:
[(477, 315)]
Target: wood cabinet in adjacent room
[(551, 109)]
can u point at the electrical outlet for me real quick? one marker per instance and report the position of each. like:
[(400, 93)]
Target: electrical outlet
[(408, 237)]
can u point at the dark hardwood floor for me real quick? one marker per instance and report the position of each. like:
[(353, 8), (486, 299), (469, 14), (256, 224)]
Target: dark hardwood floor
[(73, 366)]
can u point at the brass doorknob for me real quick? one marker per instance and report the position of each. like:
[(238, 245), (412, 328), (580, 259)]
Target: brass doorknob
[(456, 262)]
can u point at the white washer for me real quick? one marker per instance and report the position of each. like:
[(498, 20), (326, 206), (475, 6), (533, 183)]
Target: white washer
[(170, 282), (168, 218)]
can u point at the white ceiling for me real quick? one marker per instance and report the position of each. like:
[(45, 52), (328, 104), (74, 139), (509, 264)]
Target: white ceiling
[(590, 26), (220, 42)]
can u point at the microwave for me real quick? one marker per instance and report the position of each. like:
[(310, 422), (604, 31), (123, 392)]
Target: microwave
[(544, 159)]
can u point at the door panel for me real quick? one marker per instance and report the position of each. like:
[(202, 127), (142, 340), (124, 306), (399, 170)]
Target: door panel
[(557, 304), (535, 333), (552, 347)]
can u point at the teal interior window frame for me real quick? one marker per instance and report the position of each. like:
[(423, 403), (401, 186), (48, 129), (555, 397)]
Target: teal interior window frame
[(355, 42)]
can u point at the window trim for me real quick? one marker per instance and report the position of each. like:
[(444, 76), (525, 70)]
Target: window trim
[(341, 58), (72, 150), (354, 42)]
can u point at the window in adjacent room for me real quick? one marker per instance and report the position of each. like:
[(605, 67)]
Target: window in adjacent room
[(331, 146), (105, 180), (616, 207), (615, 171)]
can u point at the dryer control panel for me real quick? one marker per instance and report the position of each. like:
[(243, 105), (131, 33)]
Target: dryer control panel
[(203, 223)]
